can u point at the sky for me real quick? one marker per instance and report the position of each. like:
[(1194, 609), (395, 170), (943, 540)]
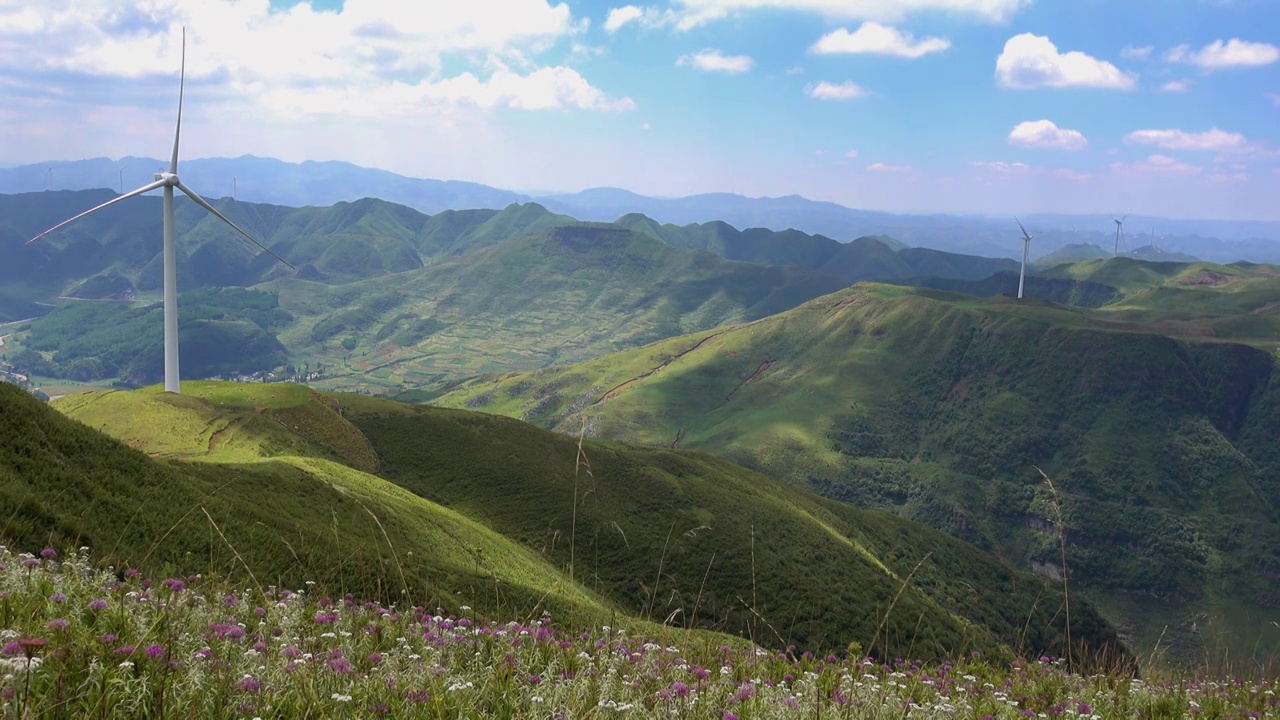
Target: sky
[(1160, 107)]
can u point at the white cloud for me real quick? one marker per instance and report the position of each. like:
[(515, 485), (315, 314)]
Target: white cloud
[(621, 16), (715, 61), (847, 90), (1175, 86), (371, 57), (1233, 53), (1173, 139), (698, 12), (1032, 61), (646, 126), (1001, 167), (1129, 52), (886, 168), (1156, 165), (1045, 134), (852, 154), (874, 38)]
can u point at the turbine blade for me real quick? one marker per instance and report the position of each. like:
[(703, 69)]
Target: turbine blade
[(204, 204), (1024, 230), (144, 189), (182, 81)]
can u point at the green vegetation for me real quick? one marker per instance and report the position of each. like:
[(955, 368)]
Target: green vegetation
[(82, 641), (500, 512), (222, 332), (565, 294), (940, 407)]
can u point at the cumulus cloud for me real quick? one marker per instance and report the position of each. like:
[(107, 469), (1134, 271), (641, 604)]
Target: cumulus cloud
[(1129, 52), (847, 90), (1175, 86), (1218, 55), (1032, 61), (619, 17), (1212, 140), (715, 61), (874, 38), (881, 10), (377, 56), (852, 154), (1156, 165), (1045, 134)]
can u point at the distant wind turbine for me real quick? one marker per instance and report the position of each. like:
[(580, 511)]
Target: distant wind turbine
[(168, 181), (1119, 232), (49, 186), (233, 187), (1026, 250), (122, 167)]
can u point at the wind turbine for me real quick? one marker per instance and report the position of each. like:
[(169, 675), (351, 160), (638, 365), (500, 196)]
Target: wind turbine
[(1026, 249), (122, 167), (1119, 232), (49, 186), (168, 181)]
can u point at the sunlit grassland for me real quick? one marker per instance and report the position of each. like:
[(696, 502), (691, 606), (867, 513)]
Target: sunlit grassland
[(940, 406), (646, 536)]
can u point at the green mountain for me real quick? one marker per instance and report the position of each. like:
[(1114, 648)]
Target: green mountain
[(565, 294), (866, 258), (280, 484), (940, 407)]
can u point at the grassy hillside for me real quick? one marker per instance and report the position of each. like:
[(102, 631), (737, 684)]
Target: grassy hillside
[(940, 407), (488, 511), (565, 294)]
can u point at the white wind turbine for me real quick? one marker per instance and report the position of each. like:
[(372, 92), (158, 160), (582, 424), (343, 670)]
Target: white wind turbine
[(168, 181), (1119, 232), (1026, 249)]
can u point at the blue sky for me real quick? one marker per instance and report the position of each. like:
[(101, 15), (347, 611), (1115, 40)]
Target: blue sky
[(1140, 106)]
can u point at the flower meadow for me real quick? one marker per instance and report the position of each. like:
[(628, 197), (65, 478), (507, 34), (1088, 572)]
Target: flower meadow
[(84, 640)]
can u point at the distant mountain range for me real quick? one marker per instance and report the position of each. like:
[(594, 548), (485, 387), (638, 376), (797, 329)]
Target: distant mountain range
[(267, 180)]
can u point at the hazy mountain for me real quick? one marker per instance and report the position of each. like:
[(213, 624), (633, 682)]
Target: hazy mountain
[(323, 183)]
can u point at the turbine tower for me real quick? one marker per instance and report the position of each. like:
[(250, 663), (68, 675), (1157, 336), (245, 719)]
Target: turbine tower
[(1119, 232), (168, 181), (1026, 250)]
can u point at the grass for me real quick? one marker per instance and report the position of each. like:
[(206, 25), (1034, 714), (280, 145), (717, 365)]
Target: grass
[(939, 406), (83, 640), (464, 501)]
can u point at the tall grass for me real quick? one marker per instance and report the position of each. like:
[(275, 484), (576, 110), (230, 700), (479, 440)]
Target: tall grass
[(82, 640)]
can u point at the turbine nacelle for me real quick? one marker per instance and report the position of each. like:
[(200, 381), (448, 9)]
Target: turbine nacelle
[(169, 179)]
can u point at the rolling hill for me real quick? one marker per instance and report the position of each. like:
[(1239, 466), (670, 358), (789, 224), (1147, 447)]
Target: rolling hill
[(940, 407), (286, 484)]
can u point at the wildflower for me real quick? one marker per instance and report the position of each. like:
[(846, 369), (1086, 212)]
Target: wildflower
[(249, 685), (155, 652), (58, 624), (131, 573), (48, 553), (535, 679), (98, 605), (107, 639), (175, 585), (679, 689), (12, 648), (57, 598), (375, 658), (341, 698)]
